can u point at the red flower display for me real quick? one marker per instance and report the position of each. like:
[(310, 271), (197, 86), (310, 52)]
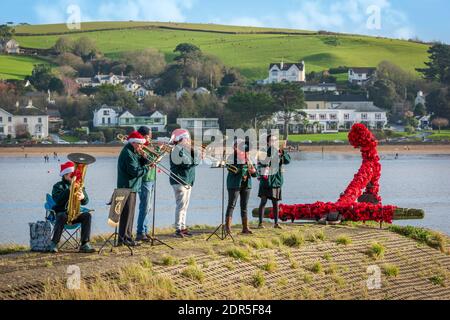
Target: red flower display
[(365, 182)]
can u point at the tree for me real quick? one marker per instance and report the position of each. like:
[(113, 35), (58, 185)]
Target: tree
[(383, 94), (244, 107), (289, 99), (6, 32), (64, 45), (115, 96), (440, 122), (41, 76), (438, 68), (171, 80), (85, 48), (438, 103), (146, 63), (420, 110), (186, 51)]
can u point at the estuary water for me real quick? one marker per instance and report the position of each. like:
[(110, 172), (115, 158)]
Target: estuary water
[(421, 181)]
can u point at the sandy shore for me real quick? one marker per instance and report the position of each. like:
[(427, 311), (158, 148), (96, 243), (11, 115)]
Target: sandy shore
[(113, 151)]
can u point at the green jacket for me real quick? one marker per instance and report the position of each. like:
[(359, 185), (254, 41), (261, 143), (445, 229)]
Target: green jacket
[(131, 169), (275, 180), (236, 180), (184, 165), (61, 194)]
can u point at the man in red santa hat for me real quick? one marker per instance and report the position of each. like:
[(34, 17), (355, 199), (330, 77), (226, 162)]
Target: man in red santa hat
[(61, 194), (133, 166)]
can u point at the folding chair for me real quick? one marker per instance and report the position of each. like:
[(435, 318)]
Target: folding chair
[(72, 233)]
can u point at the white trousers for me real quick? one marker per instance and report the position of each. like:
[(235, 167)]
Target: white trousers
[(182, 197)]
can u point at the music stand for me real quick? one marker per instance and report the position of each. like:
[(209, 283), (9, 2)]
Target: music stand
[(153, 237), (223, 234), (113, 239)]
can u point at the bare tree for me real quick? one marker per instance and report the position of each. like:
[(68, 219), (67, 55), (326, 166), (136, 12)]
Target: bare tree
[(440, 122)]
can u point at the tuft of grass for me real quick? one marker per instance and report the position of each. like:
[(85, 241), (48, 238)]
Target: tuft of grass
[(191, 261), (169, 261), (283, 282), (270, 266), (431, 238), (332, 269), (438, 280), (230, 266), (317, 267), (377, 250), (391, 270), (193, 272), (147, 263), (12, 248), (339, 280), (307, 278), (258, 280), (48, 264), (293, 240), (344, 240), (327, 256), (238, 253)]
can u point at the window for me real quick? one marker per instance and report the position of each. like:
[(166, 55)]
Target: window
[(106, 113), (333, 116), (109, 120), (1, 130), (103, 121), (317, 106), (347, 116), (39, 120), (378, 116), (364, 116), (25, 120), (9, 119), (312, 117), (1, 119), (323, 117), (190, 123)]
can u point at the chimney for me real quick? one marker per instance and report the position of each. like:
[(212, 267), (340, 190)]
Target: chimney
[(30, 103), (17, 105), (282, 63)]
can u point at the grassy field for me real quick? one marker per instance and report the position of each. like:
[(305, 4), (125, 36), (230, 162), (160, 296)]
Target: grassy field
[(16, 67), (249, 52), (341, 136)]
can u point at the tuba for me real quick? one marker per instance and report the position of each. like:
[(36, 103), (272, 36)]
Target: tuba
[(81, 163)]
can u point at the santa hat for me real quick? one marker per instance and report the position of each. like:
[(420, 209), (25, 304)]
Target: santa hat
[(68, 167), (179, 134), (136, 137)]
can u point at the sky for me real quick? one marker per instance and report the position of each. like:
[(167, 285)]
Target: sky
[(424, 19)]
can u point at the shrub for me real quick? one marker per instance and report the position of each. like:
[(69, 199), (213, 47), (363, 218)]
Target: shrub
[(258, 280), (293, 240), (377, 250), (344, 240)]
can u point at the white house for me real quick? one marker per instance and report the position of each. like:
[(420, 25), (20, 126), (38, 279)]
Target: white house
[(200, 91), (156, 121), (27, 119), (319, 87), (204, 124), (420, 99), (113, 117), (361, 76), (330, 112), (130, 86), (106, 117), (9, 46), (290, 72), (100, 80)]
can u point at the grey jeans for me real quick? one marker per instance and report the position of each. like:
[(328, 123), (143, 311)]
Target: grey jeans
[(182, 197)]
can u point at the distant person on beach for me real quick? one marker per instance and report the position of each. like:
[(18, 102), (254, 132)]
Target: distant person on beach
[(271, 179), (61, 194)]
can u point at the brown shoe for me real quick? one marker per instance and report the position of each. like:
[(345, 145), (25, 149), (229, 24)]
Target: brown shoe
[(277, 226), (261, 226), (245, 229), (228, 222)]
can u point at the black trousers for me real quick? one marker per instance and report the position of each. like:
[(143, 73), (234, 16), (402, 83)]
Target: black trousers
[(61, 220), (262, 207), (127, 218), (233, 195)]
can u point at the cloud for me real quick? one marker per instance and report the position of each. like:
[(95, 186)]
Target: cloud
[(104, 10)]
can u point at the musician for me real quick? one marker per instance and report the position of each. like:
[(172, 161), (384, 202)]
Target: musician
[(145, 194), (61, 194), (239, 184), (271, 179), (132, 168), (183, 160)]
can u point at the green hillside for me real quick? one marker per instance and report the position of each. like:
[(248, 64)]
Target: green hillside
[(16, 67), (246, 48)]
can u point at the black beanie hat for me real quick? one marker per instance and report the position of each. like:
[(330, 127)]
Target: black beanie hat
[(145, 131)]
